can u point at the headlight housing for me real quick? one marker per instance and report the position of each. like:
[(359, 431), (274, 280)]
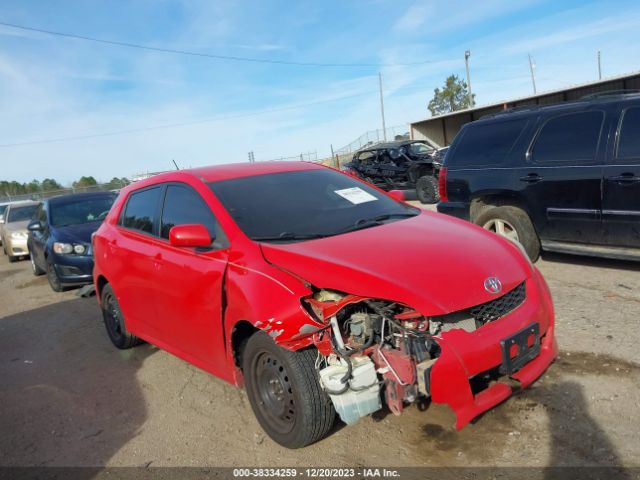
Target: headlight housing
[(18, 235), (62, 248)]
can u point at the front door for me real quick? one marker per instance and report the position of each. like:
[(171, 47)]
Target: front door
[(190, 282), (621, 189)]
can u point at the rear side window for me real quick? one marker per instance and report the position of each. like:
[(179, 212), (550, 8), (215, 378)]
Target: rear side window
[(140, 211), (486, 143), (629, 138), (569, 138), (182, 206)]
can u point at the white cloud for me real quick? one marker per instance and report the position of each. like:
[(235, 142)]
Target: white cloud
[(415, 17)]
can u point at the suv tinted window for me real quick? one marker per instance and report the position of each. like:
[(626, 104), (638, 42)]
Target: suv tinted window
[(629, 139), (182, 205), (569, 138), (486, 143), (140, 212)]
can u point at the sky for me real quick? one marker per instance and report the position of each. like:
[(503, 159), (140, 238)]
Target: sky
[(199, 110)]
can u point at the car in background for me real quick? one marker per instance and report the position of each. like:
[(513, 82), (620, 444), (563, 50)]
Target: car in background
[(59, 241), (3, 208), (321, 294), (562, 177), (399, 165), (13, 229)]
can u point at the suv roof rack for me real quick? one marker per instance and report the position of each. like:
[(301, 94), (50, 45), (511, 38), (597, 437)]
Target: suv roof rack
[(520, 108), (611, 93)]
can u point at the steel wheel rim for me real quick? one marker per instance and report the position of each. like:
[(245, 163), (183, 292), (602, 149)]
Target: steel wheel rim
[(274, 392), (112, 317), (503, 228)]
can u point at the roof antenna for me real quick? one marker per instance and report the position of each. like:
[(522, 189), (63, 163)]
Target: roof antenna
[(174, 162)]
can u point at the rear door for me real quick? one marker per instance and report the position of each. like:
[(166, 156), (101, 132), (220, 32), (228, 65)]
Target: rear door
[(190, 281), (562, 177), (133, 254), (621, 189)]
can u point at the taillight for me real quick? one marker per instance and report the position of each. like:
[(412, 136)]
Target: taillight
[(442, 184)]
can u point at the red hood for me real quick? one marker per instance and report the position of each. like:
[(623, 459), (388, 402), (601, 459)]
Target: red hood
[(430, 262)]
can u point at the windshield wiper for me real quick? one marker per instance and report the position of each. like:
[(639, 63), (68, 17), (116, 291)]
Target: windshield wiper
[(374, 221), (288, 236)]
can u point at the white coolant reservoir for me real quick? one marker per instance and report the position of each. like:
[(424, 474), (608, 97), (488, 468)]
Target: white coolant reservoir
[(363, 396)]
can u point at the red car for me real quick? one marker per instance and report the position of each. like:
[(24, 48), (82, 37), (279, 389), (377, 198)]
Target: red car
[(320, 294)]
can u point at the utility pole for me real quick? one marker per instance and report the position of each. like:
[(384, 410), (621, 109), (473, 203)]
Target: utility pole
[(252, 158), (599, 67), (532, 66), (467, 54), (384, 127)]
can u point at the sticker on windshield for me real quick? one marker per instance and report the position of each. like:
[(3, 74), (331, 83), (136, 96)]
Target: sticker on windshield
[(356, 195)]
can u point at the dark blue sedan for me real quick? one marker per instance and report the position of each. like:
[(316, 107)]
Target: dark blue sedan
[(59, 240)]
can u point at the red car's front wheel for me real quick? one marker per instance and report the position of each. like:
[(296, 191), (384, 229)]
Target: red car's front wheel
[(284, 392)]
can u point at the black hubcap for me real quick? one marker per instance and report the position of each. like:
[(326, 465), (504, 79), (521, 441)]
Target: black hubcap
[(112, 317), (275, 392)]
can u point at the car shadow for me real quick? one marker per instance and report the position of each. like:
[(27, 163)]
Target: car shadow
[(69, 398)]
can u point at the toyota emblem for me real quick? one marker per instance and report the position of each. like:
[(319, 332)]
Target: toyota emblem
[(493, 285)]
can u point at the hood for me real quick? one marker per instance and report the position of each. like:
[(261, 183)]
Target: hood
[(20, 226), (75, 233), (431, 262)]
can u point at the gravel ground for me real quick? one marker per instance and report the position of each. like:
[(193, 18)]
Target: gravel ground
[(68, 398)]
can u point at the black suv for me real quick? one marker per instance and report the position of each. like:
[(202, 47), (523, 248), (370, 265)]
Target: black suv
[(400, 165), (564, 178)]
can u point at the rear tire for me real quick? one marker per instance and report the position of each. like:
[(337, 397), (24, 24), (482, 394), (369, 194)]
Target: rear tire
[(285, 393), (514, 224), (114, 321), (427, 189)]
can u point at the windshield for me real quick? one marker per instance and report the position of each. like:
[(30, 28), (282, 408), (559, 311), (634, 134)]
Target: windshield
[(420, 148), (81, 211), (306, 204), (19, 214)]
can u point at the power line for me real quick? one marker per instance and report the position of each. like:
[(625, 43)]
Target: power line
[(181, 124), (205, 55)]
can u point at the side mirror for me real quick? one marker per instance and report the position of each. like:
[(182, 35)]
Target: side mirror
[(35, 226), (192, 235), (397, 195)]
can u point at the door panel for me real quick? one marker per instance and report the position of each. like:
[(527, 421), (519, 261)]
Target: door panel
[(563, 177), (621, 188)]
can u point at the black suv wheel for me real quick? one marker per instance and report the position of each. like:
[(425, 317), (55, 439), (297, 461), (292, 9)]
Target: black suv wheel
[(285, 393), (514, 224)]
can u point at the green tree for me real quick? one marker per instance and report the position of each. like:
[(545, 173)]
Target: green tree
[(49, 184), (116, 183), (453, 96), (85, 182)]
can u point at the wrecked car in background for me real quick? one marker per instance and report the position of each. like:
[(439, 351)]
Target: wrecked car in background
[(400, 165), (320, 294)]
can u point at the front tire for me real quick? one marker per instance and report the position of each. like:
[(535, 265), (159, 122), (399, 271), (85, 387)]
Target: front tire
[(37, 271), (114, 321), (285, 393), (514, 224), (52, 276), (427, 189)]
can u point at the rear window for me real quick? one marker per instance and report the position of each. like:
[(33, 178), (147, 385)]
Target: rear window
[(140, 211), (569, 138), (486, 143), (629, 139)]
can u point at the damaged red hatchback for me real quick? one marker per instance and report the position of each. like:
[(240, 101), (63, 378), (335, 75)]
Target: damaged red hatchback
[(320, 294)]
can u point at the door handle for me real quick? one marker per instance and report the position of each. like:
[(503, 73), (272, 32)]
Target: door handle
[(531, 178), (625, 178)]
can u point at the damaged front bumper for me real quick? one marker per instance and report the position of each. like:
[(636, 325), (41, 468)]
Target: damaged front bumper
[(468, 357)]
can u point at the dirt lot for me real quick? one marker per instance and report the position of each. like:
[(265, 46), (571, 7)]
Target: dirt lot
[(67, 397)]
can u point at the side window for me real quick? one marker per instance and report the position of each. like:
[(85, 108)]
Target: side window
[(42, 213), (489, 143), (182, 205), (629, 137), (569, 138), (140, 211)]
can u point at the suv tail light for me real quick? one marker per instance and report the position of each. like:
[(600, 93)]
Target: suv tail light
[(442, 184)]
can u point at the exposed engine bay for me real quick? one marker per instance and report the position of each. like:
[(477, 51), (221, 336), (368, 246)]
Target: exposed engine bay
[(378, 348)]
